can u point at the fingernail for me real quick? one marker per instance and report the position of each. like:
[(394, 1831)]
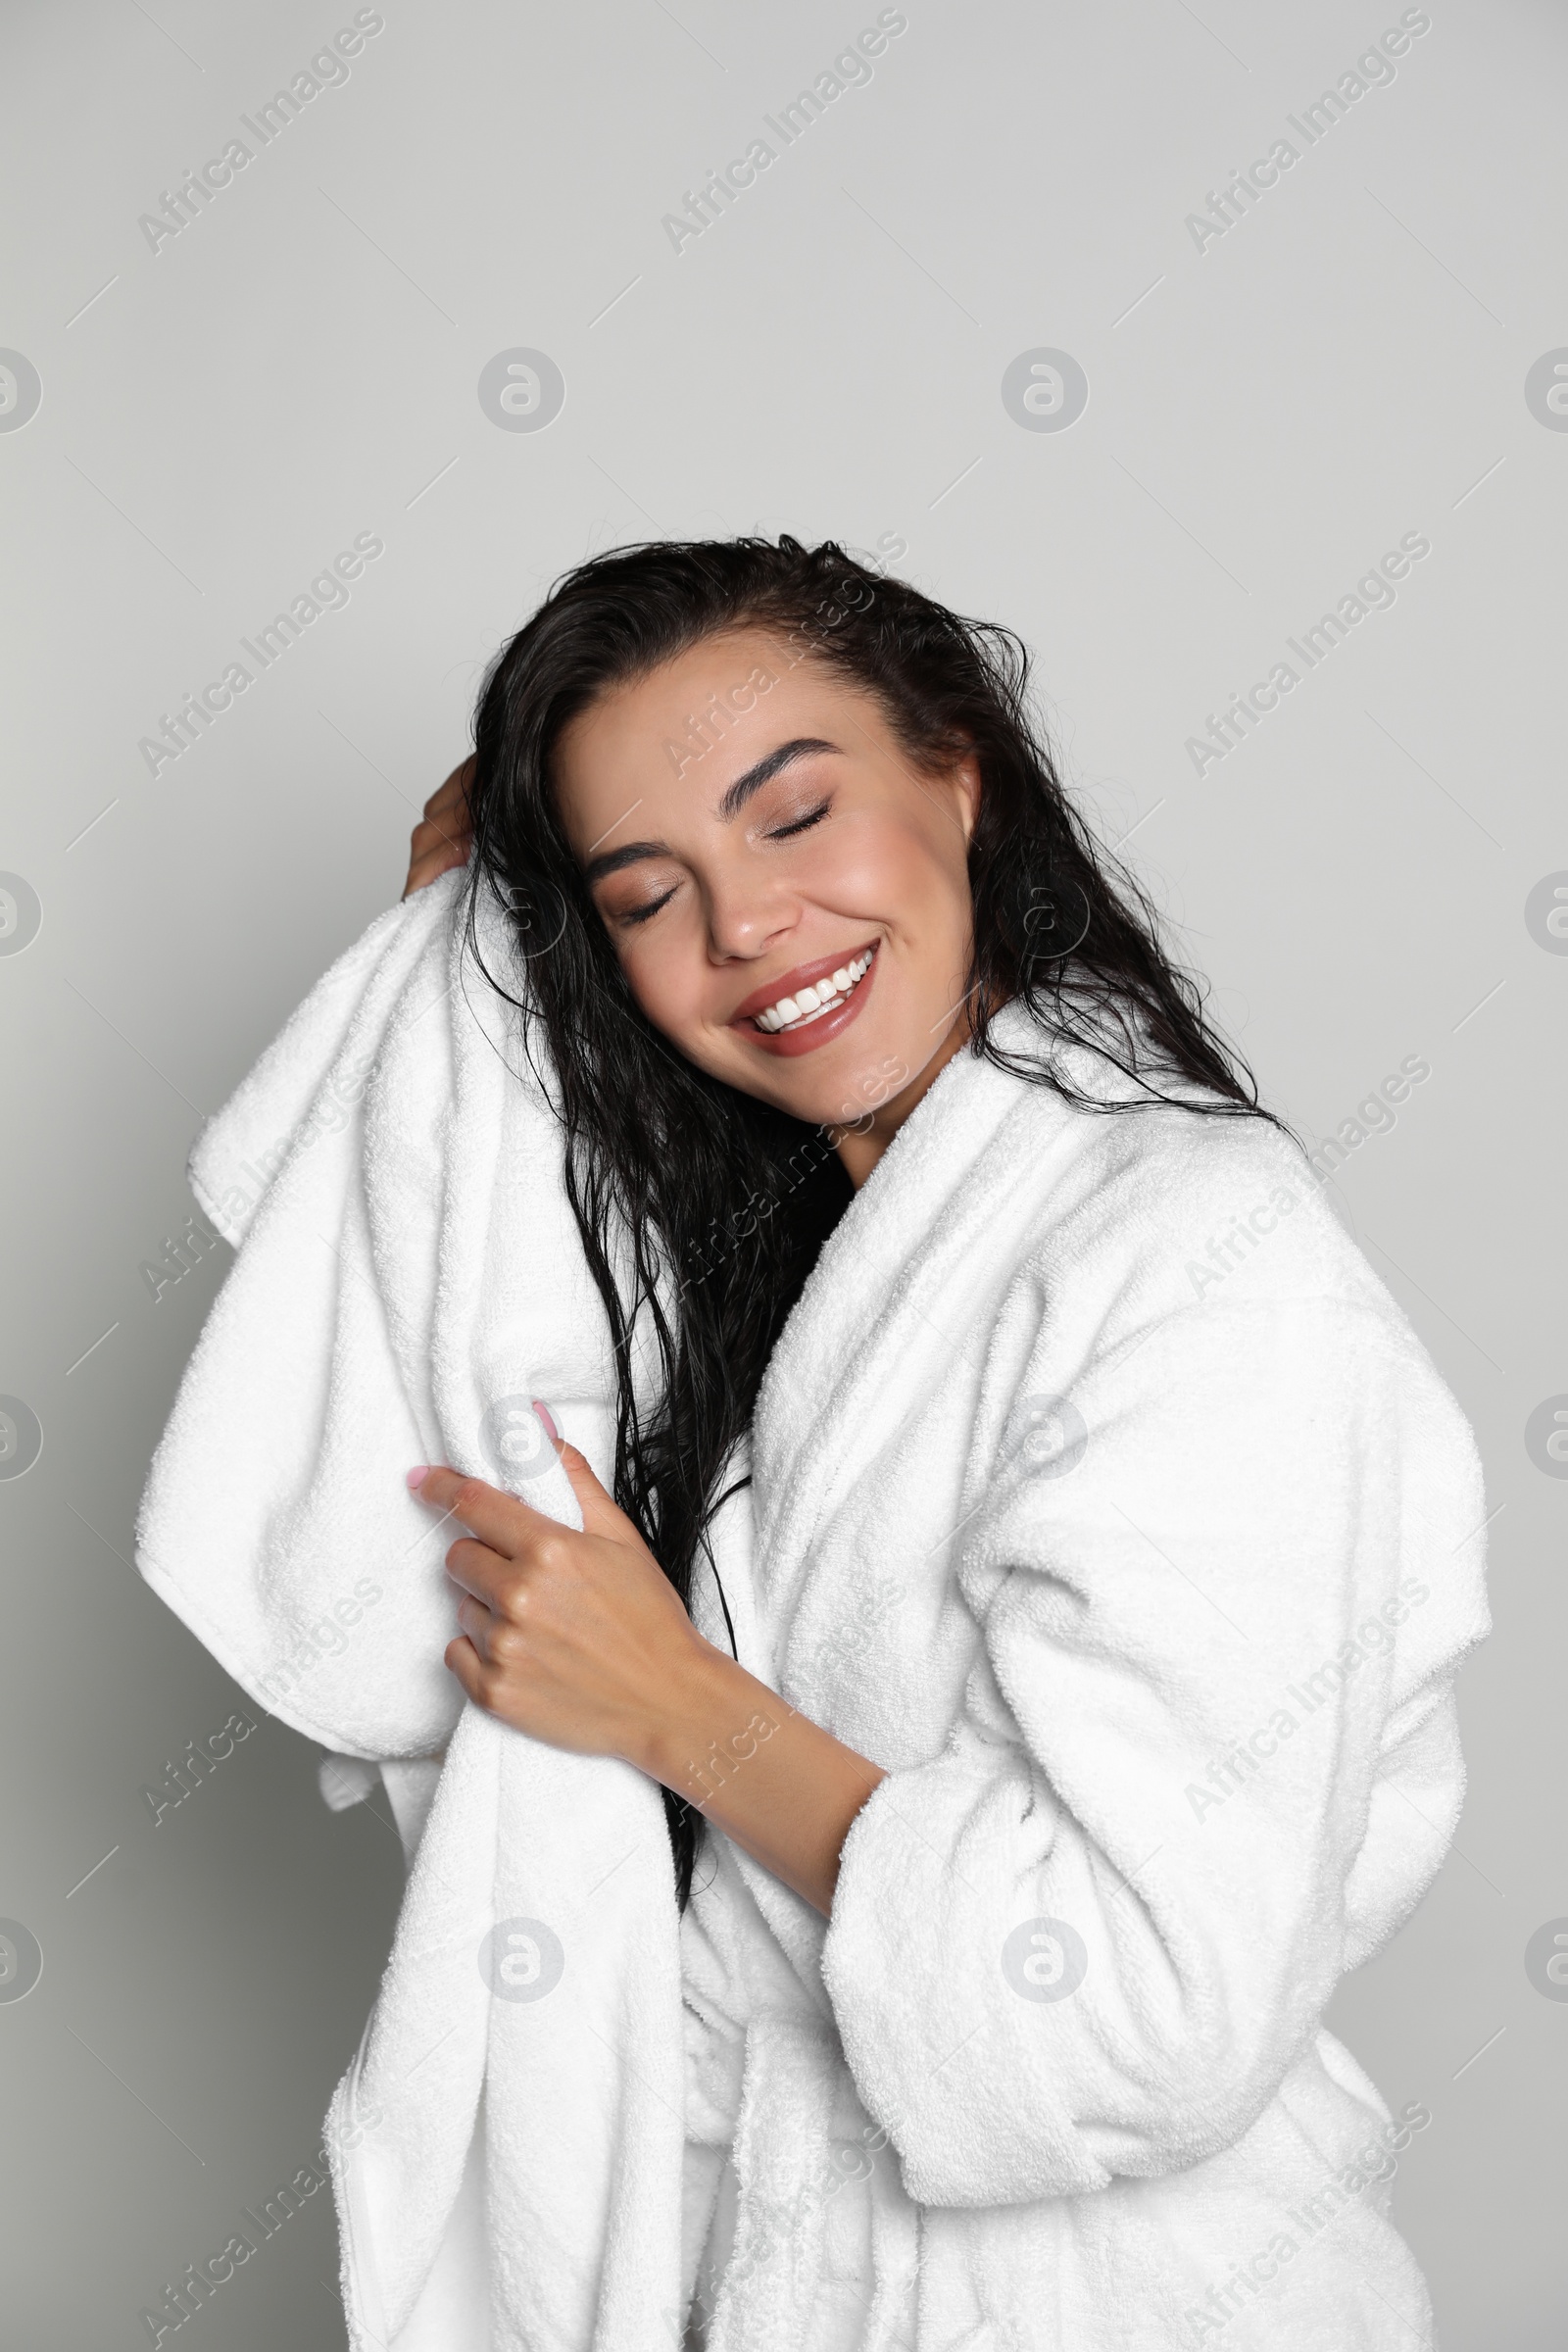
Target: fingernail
[(547, 1418), (417, 1478)]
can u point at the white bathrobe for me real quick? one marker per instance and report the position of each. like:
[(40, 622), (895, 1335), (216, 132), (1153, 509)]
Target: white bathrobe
[(1103, 1495)]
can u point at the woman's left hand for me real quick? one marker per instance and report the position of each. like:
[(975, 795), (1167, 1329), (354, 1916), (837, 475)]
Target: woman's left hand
[(578, 1638)]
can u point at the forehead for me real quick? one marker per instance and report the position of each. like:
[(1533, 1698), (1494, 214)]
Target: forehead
[(740, 688)]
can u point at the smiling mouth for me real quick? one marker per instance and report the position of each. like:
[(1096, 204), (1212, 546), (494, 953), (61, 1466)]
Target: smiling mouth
[(808, 1004)]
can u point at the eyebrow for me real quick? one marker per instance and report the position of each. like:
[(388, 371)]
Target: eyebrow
[(736, 796)]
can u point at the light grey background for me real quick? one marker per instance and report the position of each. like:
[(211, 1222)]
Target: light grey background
[(1266, 416)]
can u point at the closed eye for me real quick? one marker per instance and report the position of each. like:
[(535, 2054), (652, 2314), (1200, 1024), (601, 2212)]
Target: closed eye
[(640, 915), (802, 824)]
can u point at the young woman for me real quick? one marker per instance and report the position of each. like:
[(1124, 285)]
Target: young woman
[(1119, 1538)]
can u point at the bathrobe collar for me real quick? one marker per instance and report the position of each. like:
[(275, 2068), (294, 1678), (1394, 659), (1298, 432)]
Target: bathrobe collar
[(894, 1252)]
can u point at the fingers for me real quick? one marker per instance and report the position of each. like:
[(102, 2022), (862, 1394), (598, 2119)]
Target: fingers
[(494, 1633), (444, 835), (480, 1571), (446, 812), (462, 1660), (508, 1526), (601, 1514), (436, 859), (483, 1509), (451, 800)]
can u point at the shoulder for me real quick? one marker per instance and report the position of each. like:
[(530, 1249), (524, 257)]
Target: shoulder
[(1139, 1210)]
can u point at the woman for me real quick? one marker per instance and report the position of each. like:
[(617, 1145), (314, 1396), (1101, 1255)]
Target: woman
[(1119, 1539)]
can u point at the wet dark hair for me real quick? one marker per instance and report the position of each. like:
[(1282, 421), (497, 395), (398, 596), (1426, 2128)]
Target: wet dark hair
[(701, 1208)]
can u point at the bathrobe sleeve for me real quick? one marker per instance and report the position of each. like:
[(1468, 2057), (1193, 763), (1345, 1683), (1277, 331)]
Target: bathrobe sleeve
[(1224, 1567)]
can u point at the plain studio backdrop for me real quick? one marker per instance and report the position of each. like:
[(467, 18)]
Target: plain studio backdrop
[(997, 312)]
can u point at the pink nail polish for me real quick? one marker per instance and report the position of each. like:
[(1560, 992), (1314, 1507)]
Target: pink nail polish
[(417, 1478), (547, 1418)]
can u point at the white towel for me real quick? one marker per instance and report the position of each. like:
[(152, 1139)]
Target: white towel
[(398, 1298)]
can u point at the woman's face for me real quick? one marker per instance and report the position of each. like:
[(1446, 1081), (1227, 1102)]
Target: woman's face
[(789, 899)]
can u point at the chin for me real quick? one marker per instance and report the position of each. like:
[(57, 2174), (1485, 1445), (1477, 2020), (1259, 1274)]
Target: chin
[(850, 1083)]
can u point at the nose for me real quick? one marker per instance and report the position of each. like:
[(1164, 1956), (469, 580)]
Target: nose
[(748, 914)]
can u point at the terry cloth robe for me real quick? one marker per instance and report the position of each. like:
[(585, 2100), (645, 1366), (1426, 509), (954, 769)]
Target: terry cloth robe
[(1101, 1495)]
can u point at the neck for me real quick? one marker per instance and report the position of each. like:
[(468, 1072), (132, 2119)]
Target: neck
[(862, 1145)]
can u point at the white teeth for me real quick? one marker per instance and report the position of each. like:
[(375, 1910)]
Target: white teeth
[(808, 1003)]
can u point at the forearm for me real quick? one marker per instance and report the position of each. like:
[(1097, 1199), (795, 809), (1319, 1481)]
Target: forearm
[(768, 1775)]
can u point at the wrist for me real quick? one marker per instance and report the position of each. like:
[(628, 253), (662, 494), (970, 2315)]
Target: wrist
[(711, 1715)]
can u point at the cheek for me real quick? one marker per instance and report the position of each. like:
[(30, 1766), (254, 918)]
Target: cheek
[(666, 974), (890, 870)]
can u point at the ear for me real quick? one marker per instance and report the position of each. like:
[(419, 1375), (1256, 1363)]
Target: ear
[(966, 791)]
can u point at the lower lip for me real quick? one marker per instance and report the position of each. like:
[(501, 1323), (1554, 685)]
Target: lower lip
[(789, 1043)]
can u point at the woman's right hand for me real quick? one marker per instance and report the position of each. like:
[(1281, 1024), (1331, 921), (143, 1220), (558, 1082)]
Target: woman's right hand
[(444, 835)]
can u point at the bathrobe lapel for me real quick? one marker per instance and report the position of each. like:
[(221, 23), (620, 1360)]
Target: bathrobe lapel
[(855, 1361), (864, 1342)]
